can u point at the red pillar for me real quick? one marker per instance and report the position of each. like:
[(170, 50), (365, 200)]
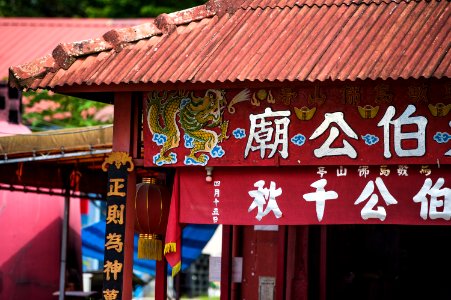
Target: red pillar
[(226, 262), (124, 139)]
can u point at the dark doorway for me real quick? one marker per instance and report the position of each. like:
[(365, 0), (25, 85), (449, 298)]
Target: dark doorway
[(388, 262)]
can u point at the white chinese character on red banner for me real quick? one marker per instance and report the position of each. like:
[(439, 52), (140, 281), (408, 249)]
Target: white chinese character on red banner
[(321, 171), (369, 211), (435, 192), (363, 171), (320, 196), (399, 136), (325, 149), (342, 171), (402, 170), (261, 195), (265, 136)]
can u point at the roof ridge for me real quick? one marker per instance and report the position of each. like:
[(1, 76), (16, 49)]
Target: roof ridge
[(65, 54)]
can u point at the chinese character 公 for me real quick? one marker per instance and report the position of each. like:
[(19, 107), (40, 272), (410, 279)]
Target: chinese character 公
[(265, 136), (261, 195), (435, 191), (368, 211), (320, 196), (325, 150), (399, 136)]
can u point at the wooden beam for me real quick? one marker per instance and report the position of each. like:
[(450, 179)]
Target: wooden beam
[(125, 124)]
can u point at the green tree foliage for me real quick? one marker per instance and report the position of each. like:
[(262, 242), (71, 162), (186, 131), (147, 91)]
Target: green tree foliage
[(46, 110), (92, 8)]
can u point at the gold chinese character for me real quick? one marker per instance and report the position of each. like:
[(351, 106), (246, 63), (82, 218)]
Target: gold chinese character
[(112, 268), (116, 186), (317, 98), (114, 242), (352, 95), (384, 170), (425, 170), (115, 215), (418, 93), (110, 294), (383, 94), (287, 95)]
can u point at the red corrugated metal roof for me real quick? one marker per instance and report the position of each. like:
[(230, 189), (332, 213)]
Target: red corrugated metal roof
[(260, 41), (24, 39)]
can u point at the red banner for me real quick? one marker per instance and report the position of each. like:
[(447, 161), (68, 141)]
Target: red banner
[(401, 194), (370, 123)]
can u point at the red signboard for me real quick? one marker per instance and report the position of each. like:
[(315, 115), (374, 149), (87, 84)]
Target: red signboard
[(370, 123), (401, 194)]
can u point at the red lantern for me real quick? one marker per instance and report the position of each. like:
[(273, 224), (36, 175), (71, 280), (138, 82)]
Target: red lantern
[(151, 217)]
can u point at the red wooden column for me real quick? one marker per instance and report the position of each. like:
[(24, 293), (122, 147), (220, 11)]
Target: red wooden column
[(125, 139), (281, 263), (226, 262)]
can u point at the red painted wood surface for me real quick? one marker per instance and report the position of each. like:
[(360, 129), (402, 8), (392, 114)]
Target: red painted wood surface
[(226, 200), (362, 107)]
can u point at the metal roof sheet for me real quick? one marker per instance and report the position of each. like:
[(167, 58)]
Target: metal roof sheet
[(26, 38), (263, 40)]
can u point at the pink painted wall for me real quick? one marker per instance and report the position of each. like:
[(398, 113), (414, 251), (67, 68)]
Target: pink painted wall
[(30, 235)]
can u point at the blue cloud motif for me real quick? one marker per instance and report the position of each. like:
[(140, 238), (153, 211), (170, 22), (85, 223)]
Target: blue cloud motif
[(239, 133), (442, 137), (189, 161), (173, 160), (189, 141), (159, 139), (184, 102), (298, 139), (217, 152), (370, 139)]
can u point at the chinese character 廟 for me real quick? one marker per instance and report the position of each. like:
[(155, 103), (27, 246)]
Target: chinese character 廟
[(265, 136)]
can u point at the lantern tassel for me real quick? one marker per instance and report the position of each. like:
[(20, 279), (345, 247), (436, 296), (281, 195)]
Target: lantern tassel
[(150, 246)]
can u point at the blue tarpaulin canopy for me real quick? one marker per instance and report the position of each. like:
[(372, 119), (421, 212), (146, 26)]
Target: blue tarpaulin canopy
[(194, 239)]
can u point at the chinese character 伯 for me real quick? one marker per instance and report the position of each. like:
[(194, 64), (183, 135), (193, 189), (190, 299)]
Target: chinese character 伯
[(440, 198), (264, 196), (269, 131), (399, 136)]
